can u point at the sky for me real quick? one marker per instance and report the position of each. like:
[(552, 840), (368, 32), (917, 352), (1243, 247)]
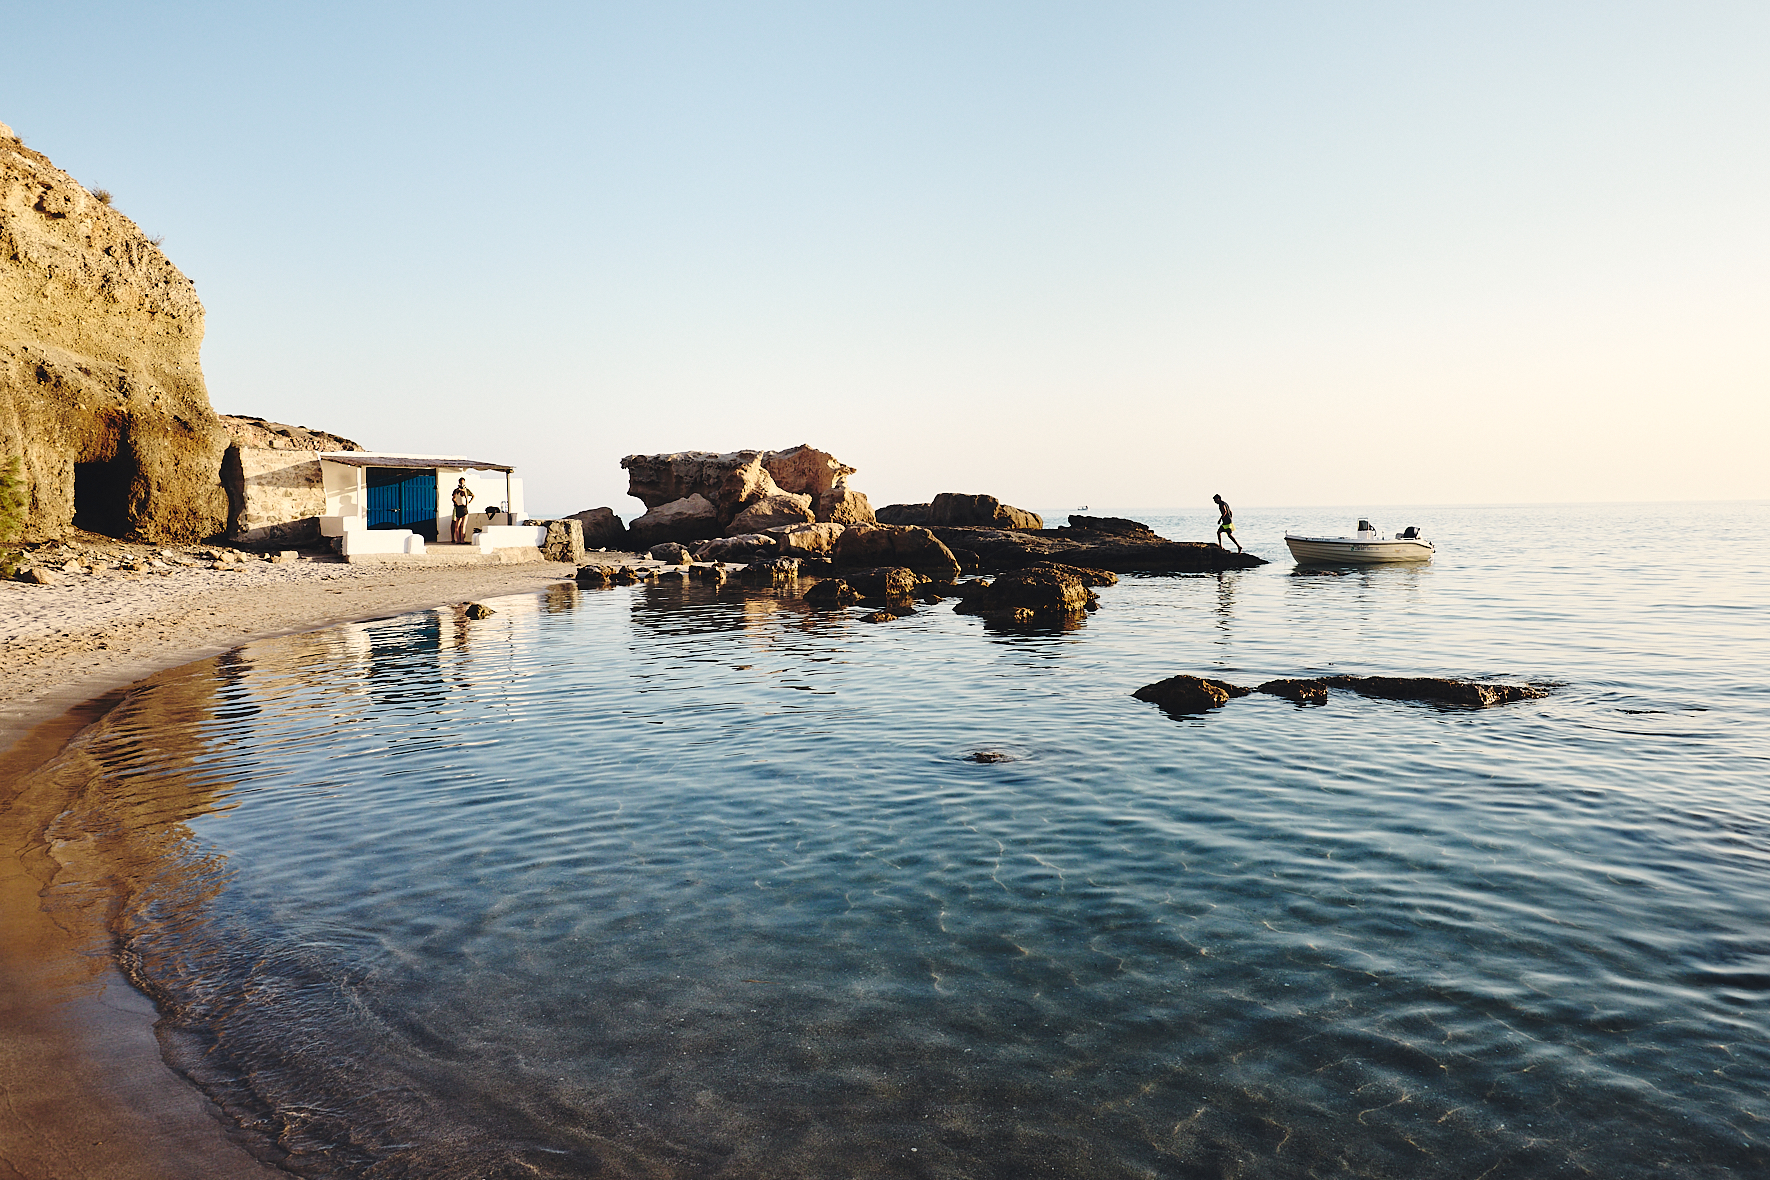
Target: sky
[(1108, 253)]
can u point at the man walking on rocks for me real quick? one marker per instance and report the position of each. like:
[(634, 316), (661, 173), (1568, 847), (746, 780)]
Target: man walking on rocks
[(1226, 523)]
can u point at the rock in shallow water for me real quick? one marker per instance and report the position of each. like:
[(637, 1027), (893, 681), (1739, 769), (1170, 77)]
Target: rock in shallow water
[(1183, 694), (1192, 694), (1041, 590)]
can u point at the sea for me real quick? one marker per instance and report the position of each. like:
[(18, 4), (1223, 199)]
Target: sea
[(667, 881)]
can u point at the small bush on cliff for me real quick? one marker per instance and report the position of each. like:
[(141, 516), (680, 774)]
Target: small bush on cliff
[(12, 512), (103, 195), (12, 499)]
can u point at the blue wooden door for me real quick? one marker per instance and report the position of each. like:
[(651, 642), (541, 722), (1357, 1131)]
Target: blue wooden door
[(402, 498)]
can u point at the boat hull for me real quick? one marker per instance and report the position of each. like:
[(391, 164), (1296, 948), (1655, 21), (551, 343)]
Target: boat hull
[(1347, 551)]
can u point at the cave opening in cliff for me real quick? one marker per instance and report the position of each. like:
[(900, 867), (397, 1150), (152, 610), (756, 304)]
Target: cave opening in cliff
[(101, 496)]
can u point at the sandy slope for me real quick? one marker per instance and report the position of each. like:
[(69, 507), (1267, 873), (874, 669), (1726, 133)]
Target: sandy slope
[(83, 1092)]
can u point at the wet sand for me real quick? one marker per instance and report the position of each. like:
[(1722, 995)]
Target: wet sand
[(83, 1091)]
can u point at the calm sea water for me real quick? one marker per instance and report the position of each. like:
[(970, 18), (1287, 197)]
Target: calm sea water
[(653, 882)]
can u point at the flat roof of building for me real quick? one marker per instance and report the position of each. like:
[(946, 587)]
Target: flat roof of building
[(360, 459)]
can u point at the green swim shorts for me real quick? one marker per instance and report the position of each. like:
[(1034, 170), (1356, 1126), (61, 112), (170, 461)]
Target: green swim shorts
[(1226, 526)]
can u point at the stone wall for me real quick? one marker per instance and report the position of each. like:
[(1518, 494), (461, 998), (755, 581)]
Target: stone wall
[(271, 472), (101, 393)]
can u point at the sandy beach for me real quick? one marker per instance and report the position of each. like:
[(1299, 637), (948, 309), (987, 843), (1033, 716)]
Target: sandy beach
[(83, 1090)]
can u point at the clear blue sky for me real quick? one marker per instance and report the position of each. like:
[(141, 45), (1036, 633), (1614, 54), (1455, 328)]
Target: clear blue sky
[(1121, 254)]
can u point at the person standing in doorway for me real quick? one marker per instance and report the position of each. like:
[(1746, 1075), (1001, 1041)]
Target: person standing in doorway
[(1226, 523), (462, 496)]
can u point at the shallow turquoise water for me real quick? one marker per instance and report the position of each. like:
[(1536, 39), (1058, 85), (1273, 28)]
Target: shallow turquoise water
[(652, 882)]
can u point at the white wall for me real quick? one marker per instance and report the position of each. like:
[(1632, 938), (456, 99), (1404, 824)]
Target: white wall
[(344, 489)]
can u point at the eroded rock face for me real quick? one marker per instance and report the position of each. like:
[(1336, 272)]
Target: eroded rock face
[(844, 506), (807, 540), (101, 392), (782, 508), (905, 545), (806, 469), (958, 508), (728, 482), (692, 518), (602, 528), (733, 481)]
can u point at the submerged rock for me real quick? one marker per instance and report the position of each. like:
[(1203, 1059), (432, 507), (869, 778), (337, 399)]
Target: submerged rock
[(1191, 692), (593, 577), (478, 610), (1447, 690)]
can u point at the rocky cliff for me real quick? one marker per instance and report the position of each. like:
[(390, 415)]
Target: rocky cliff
[(101, 394)]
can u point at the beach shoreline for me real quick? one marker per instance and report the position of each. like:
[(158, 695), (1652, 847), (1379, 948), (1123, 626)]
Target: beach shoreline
[(84, 1088)]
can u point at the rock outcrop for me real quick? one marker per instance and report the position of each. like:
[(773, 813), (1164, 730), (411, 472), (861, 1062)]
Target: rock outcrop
[(903, 514), (602, 528), (904, 545), (101, 391), (957, 508), (271, 474), (692, 518), (768, 512), (734, 481), (813, 541), (1095, 543), (1040, 590)]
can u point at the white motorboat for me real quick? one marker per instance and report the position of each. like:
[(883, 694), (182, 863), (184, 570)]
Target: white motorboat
[(1367, 548)]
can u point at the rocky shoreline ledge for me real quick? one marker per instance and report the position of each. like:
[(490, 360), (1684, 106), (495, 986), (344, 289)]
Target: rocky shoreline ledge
[(769, 519)]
